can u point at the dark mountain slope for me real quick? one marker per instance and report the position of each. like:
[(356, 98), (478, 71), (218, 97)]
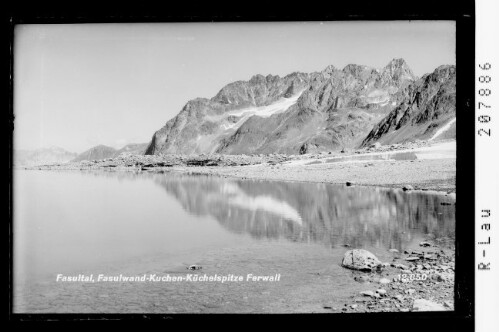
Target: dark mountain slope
[(427, 104)]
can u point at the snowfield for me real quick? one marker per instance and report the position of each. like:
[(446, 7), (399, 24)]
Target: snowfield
[(280, 106)]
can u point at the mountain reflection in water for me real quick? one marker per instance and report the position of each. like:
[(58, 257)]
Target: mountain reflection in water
[(308, 212)]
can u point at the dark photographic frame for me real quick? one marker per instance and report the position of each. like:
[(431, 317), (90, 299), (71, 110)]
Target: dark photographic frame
[(462, 13)]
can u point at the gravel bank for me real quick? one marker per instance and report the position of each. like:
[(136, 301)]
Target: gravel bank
[(437, 174)]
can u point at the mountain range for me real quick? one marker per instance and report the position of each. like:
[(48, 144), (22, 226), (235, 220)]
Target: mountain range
[(330, 110), (427, 104), (104, 152), (48, 155), (301, 113), (58, 155)]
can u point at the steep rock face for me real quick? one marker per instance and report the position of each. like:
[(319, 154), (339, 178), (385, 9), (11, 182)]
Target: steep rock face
[(325, 111), (202, 123), (425, 106), (42, 156)]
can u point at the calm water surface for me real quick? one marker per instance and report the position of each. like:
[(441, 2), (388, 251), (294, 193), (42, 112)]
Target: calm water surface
[(104, 222)]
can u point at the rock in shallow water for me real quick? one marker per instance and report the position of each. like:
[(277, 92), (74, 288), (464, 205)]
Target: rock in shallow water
[(360, 259), (194, 267)]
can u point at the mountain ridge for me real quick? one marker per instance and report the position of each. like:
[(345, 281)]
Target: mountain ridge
[(298, 113), (103, 152), (430, 100)]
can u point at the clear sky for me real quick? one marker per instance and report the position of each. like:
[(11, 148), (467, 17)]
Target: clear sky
[(77, 86)]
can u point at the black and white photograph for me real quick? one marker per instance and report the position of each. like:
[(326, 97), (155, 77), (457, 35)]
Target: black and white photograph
[(234, 167)]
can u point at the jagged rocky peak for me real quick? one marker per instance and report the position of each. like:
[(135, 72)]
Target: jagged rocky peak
[(257, 79), (423, 107), (329, 70), (296, 75), (398, 70), (272, 78), (356, 70), (443, 73), (397, 63), (259, 90), (233, 93)]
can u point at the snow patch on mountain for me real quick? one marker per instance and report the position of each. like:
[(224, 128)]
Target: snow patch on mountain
[(279, 106), (443, 129)]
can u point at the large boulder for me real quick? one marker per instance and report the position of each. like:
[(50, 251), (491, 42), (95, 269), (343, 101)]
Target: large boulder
[(360, 259)]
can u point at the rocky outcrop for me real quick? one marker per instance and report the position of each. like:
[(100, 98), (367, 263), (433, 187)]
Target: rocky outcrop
[(425, 106), (329, 110)]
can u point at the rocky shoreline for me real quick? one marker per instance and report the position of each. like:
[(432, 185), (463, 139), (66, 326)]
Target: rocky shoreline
[(425, 174), (420, 279)]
